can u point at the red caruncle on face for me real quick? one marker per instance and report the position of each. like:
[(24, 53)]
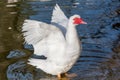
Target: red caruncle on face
[(78, 20)]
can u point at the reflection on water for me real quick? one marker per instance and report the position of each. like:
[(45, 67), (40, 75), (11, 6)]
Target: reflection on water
[(101, 52), (8, 28), (18, 71), (12, 1)]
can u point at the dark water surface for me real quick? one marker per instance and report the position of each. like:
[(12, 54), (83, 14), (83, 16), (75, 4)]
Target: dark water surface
[(100, 58)]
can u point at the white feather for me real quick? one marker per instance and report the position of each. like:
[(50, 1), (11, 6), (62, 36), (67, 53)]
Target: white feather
[(59, 19), (41, 36)]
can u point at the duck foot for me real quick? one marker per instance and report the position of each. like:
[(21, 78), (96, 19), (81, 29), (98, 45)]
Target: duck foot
[(59, 76), (72, 75), (66, 75)]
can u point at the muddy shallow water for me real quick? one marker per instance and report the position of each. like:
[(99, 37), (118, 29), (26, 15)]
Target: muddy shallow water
[(100, 38)]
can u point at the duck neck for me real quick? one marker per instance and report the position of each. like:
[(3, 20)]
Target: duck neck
[(71, 34)]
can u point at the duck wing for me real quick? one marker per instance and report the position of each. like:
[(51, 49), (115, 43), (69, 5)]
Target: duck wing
[(45, 38), (59, 19)]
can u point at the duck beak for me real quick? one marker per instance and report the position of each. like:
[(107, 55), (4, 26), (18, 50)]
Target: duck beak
[(83, 22)]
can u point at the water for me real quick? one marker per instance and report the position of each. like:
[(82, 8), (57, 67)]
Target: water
[(99, 59)]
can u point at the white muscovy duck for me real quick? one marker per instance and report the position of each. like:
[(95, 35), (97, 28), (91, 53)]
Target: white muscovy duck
[(57, 41)]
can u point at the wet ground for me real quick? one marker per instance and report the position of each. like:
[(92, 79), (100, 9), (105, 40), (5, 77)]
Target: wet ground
[(100, 58)]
